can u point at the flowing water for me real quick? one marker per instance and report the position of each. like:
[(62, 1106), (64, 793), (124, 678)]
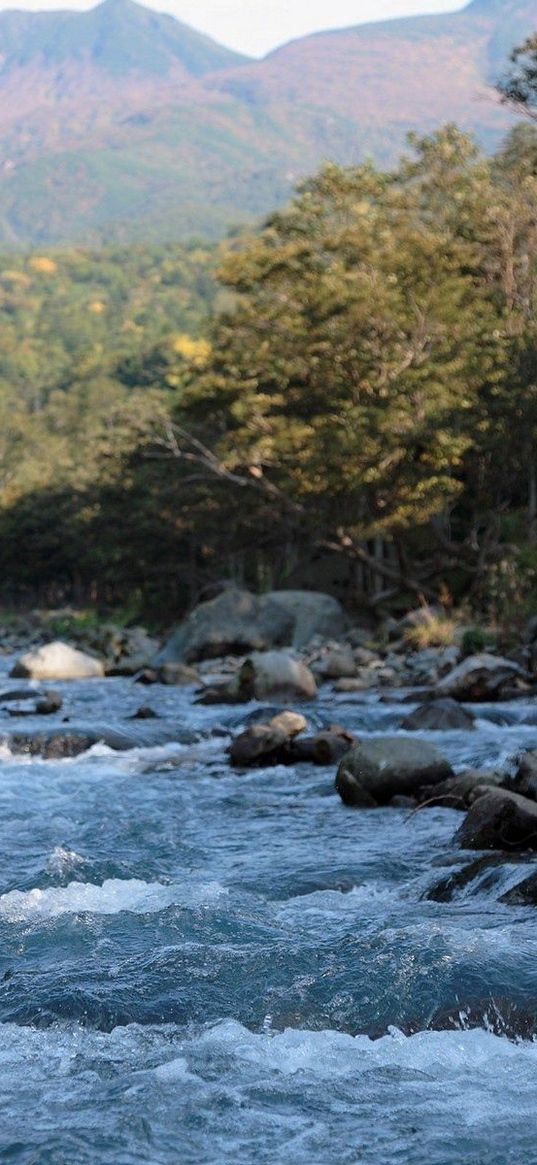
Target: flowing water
[(200, 966)]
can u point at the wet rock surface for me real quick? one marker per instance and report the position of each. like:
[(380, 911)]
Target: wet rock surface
[(438, 716), (499, 819), (377, 770)]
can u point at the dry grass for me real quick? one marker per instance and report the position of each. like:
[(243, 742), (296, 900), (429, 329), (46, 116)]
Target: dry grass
[(432, 631)]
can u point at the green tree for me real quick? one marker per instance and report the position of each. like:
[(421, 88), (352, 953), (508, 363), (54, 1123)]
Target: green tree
[(343, 379), (518, 88)]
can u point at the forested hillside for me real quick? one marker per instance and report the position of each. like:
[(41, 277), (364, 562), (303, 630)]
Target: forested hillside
[(364, 380)]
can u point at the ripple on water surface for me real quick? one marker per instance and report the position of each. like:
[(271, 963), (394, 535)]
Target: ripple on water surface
[(194, 958), (224, 1094)]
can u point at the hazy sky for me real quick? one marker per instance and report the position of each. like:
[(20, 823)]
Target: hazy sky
[(256, 26)]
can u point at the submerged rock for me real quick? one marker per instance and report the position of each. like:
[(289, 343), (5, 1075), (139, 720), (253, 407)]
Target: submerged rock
[(501, 1017), (57, 661), (45, 703), (439, 716), (499, 819), (49, 703), (447, 888), (145, 712), (55, 744), (525, 894), (51, 746), (16, 694), (390, 766)]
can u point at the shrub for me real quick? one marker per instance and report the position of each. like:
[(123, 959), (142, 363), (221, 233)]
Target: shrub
[(473, 641)]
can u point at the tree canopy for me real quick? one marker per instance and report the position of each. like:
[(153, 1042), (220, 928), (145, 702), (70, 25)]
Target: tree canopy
[(363, 377)]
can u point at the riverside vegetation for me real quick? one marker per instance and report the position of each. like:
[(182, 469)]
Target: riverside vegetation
[(358, 379)]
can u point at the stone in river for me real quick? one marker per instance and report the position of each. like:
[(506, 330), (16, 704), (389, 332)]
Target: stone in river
[(58, 661), (439, 716), (233, 623), (525, 894), (389, 766), (525, 778), (259, 745), (49, 703), (237, 622), (276, 673), (499, 819), (458, 792), (292, 723), (480, 678)]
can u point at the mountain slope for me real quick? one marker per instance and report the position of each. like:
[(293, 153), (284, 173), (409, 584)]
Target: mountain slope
[(395, 75), (121, 123), (118, 36)]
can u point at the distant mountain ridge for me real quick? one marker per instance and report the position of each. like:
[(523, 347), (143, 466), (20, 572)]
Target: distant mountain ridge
[(121, 123), (119, 36)]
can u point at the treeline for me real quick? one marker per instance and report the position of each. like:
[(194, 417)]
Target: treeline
[(362, 384)]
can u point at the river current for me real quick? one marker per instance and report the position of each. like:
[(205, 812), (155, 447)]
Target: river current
[(200, 966)]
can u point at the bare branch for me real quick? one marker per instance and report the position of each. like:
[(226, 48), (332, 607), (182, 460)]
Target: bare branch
[(184, 446)]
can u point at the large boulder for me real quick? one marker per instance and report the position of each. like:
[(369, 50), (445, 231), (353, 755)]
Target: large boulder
[(313, 614), (234, 623), (237, 622), (57, 661), (499, 819), (480, 678), (268, 674), (438, 716), (377, 770)]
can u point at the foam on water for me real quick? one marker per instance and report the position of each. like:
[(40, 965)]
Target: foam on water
[(236, 1007), (226, 1094), (369, 898), (113, 897), (327, 1054)]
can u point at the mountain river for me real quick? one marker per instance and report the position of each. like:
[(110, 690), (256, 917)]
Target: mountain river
[(200, 966)]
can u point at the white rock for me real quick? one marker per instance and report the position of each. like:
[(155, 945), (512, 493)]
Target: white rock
[(57, 661)]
